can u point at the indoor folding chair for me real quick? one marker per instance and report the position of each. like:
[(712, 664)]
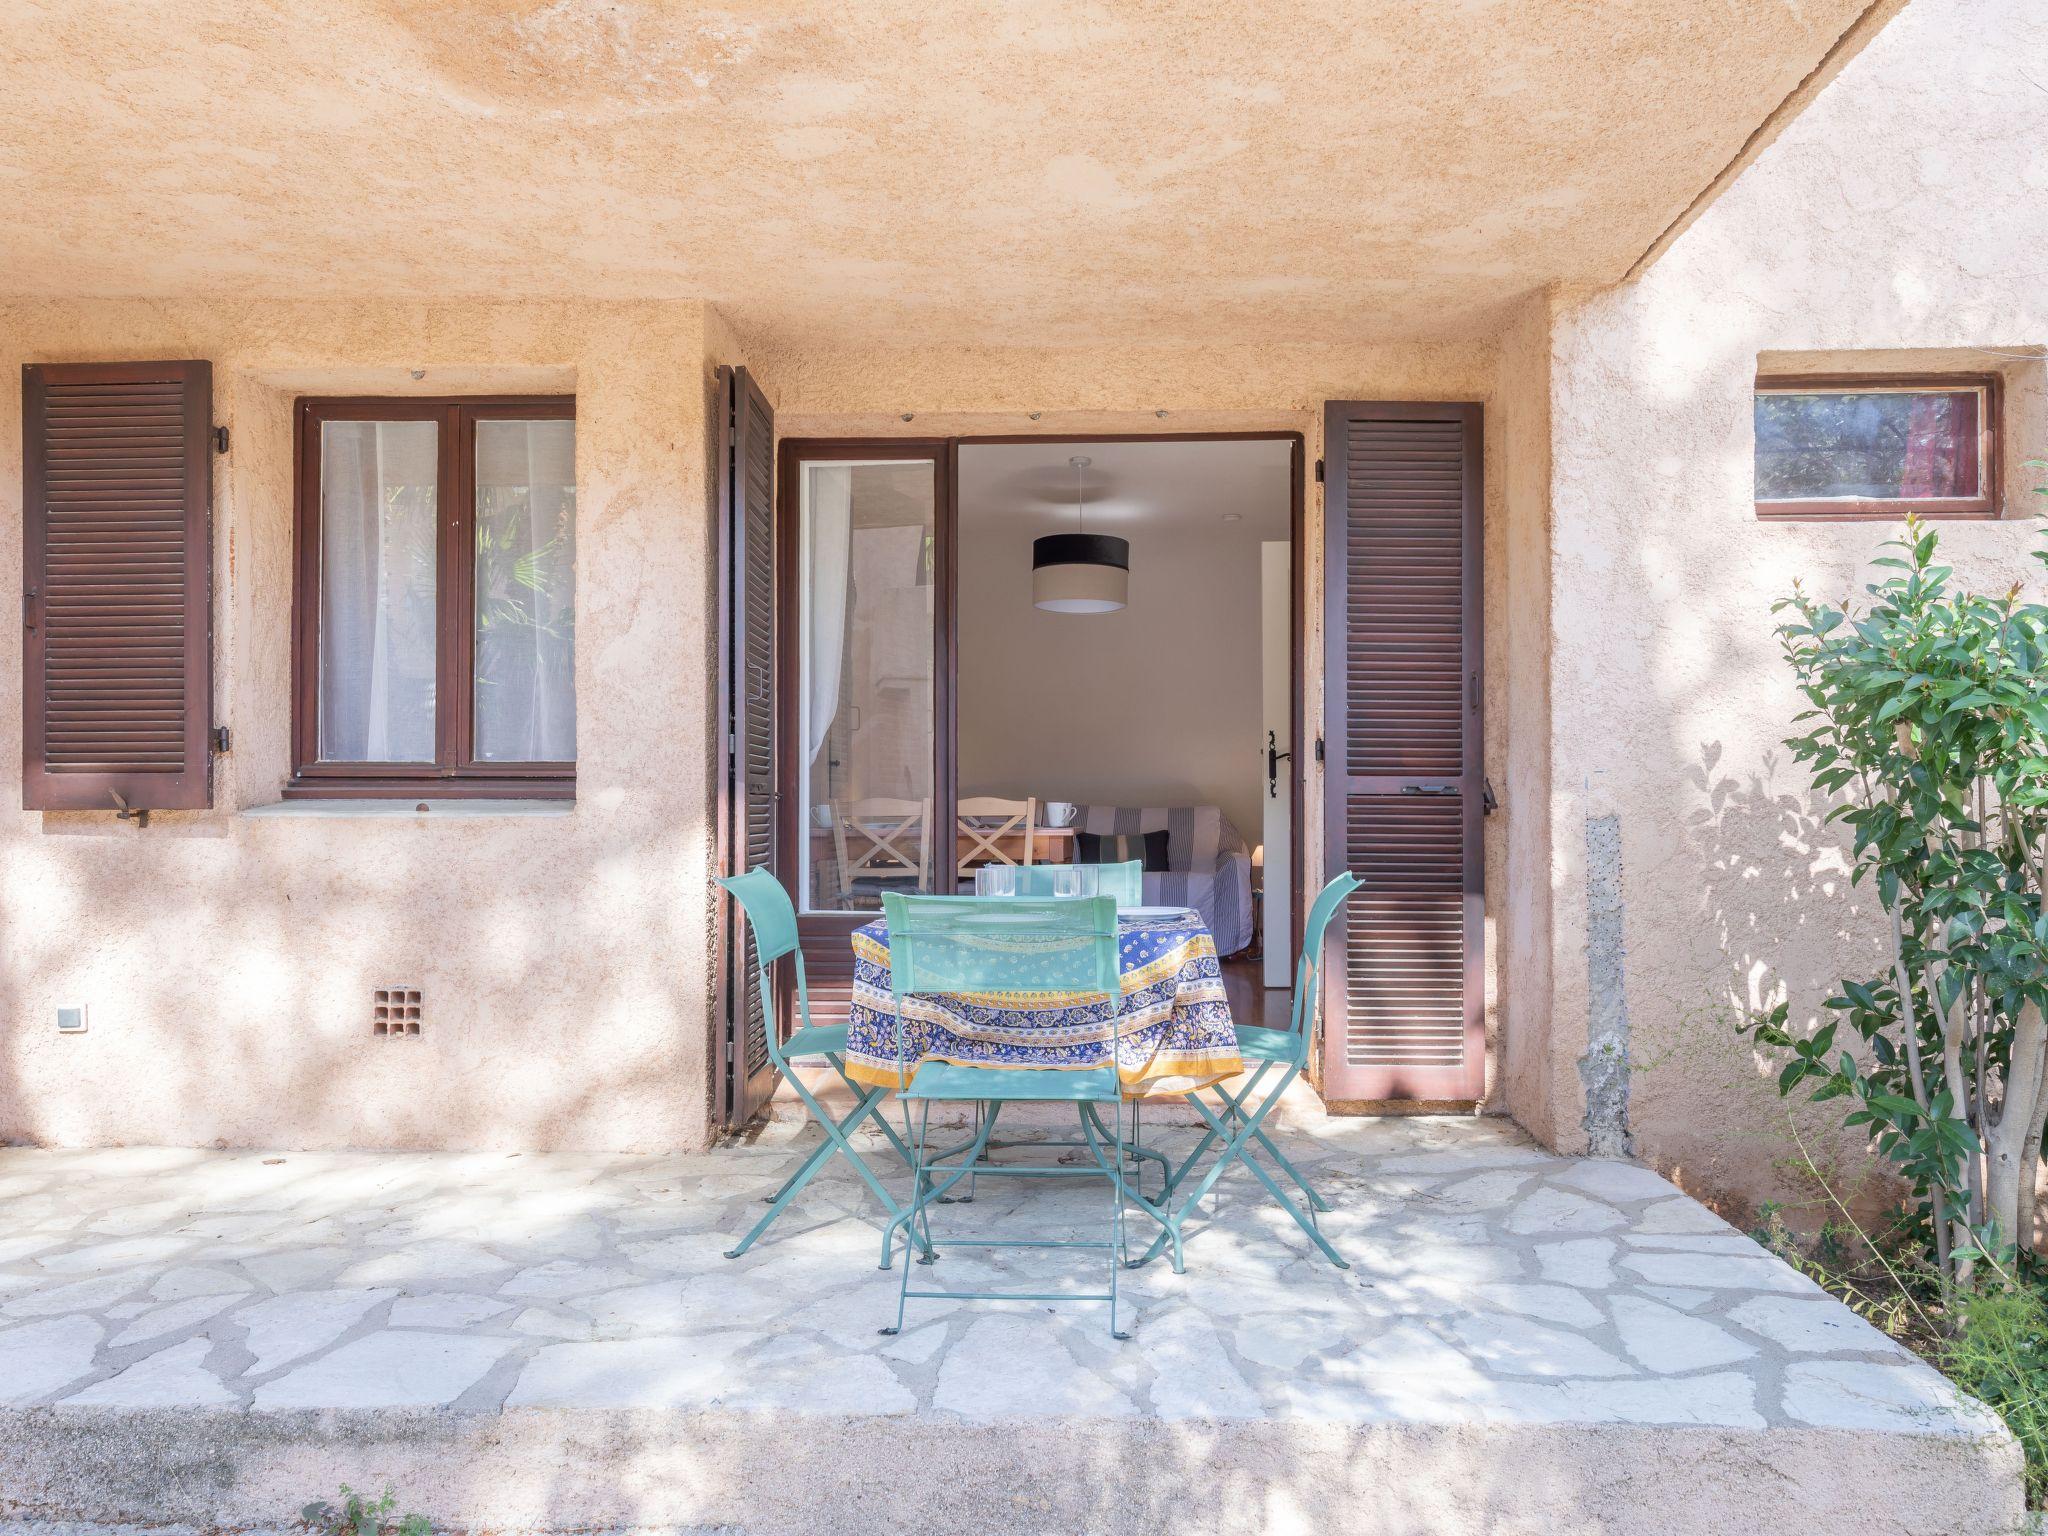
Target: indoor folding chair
[(981, 824), (880, 843), (1240, 1122), (1061, 951), (773, 919)]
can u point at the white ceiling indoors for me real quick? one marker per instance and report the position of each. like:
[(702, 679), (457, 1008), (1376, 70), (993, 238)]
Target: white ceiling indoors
[(1132, 489), (900, 172)]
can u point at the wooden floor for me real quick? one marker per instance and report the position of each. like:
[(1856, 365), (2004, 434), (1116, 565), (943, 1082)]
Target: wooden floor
[(1251, 1001)]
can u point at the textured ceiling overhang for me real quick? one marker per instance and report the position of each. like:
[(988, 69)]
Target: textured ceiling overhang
[(1052, 173)]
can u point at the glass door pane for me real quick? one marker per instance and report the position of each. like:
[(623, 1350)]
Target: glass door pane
[(864, 747)]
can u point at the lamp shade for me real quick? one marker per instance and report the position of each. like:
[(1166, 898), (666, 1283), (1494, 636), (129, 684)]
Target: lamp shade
[(1080, 572)]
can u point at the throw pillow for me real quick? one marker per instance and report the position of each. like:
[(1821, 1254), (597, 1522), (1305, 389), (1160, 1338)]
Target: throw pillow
[(1149, 848)]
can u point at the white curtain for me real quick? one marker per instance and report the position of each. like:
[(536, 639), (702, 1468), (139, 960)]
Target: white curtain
[(387, 584), (377, 591), (526, 591), (828, 506)]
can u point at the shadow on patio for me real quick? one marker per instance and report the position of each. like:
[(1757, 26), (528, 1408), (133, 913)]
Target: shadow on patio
[(1524, 1342)]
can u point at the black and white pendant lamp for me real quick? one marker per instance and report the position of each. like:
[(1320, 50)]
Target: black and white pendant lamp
[(1080, 572)]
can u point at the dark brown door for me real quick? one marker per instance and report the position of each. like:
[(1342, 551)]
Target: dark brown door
[(1405, 1011), (747, 782), (117, 585)]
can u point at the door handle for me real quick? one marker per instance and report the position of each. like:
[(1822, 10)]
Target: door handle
[(1429, 789), (1274, 758)]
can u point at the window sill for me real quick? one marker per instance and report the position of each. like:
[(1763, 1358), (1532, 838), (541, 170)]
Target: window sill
[(1873, 512), (479, 809)]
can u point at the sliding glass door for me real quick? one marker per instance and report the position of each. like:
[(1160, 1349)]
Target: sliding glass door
[(865, 664)]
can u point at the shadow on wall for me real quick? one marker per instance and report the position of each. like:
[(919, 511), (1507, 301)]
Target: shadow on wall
[(13, 1123), (242, 1015), (1779, 921)]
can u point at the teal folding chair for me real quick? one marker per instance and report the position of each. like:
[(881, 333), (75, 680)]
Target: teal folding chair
[(1124, 883), (970, 946), (1240, 1123), (773, 919)]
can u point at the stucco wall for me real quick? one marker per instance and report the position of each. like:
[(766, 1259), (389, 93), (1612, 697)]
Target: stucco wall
[(1529, 1056), (1901, 220), (227, 961)]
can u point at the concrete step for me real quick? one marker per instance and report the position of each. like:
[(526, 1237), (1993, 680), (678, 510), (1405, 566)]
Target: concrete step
[(773, 1474)]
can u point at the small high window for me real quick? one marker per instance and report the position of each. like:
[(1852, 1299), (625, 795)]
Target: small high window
[(1839, 448), (434, 634)]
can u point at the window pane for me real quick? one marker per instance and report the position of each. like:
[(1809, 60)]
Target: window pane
[(526, 591), (1867, 445), (377, 574), (865, 689)]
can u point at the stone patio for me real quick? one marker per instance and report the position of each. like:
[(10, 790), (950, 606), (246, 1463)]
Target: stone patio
[(1524, 1343)]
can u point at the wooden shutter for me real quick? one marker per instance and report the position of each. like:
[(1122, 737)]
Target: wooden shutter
[(745, 1074), (1405, 1015), (117, 585)]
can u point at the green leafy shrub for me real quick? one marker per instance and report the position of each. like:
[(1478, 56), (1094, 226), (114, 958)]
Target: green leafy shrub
[(1999, 1353), (358, 1516), (1992, 1342), (1929, 723)]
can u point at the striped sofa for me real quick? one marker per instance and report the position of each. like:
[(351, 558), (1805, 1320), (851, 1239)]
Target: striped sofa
[(1209, 867)]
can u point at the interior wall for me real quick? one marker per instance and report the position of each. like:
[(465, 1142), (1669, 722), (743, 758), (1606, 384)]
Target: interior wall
[(227, 959), (1901, 218), (1156, 704)]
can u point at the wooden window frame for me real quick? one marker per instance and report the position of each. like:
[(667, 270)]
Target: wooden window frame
[(455, 773), (1986, 506)]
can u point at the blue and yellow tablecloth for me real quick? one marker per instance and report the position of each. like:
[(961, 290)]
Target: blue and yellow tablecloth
[(1175, 1033)]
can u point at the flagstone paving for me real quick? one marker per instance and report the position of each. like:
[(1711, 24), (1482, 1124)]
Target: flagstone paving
[(1490, 1282)]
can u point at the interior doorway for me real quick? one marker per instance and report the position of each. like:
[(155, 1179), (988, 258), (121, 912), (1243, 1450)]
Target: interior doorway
[(1145, 725), (921, 693)]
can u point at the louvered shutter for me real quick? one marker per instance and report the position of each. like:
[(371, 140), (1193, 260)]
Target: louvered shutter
[(1405, 1017), (117, 585), (747, 709)]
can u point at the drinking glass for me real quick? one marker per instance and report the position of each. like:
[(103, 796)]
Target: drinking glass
[(996, 880)]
